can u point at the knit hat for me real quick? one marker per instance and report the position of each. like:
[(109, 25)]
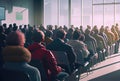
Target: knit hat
[(16, 54)]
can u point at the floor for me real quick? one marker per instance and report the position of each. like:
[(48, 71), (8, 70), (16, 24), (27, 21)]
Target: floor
[(108, 70)]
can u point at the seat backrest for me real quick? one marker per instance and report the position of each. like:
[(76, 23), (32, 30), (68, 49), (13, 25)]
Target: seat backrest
[(13, 75), (90, 46), (38, 64), (80, 57), (62, 59)]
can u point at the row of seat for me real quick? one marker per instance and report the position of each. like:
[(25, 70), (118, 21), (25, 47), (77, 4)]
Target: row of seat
[(62, 60)]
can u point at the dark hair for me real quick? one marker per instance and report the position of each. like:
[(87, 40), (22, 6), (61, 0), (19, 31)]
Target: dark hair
[(82, 37), (48, 33), (76, 34), (15, 28), (38, 36), (60, 34)]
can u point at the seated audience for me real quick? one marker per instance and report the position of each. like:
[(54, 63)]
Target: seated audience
[(48, 37), (69, 33), (79, 47), (91, 40), (102, 33), (2, 37), (116, 39), (39, 52), (99, 39), (2, 43), (16, 56), (110, 35), (58, 44)]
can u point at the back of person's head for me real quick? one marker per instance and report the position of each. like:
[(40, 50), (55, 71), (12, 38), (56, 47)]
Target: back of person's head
[(42, 28), (49, 27), (14, 24), (106, 29), (60, 34), (65, 28), (15, 50), (10, 26), (15, 28), (96, 31), (82, 37), (48, 33), (5, 25), (30, 28), (56, 26), (38, 36), (102, 29), (15, 38), (87, 31), (113, 28), (25, 26), (76, 34), (88, 27), (71, 30), (117, 24)]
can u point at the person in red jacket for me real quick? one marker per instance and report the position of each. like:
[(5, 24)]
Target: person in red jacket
[(39, 52)]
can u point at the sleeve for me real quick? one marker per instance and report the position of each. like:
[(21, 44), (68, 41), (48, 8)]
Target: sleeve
[(52, 63), (38, 76), (71, 55), (85, 50)]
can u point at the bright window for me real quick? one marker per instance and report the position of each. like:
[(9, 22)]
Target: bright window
[(87, 13), (63, 13), (98, 15), (50, 12), (76, 13)]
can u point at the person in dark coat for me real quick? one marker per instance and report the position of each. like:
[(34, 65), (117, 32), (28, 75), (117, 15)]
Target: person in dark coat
[(59, 45)]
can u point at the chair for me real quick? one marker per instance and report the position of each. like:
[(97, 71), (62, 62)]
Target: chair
[(62, 60), (92, 49), (39, 65), (91, 46), (13, 75)]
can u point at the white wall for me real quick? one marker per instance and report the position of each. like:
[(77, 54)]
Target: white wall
[(24, 8)]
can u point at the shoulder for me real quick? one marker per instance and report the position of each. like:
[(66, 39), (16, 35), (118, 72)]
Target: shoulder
[(67, 46), (32, 69)]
